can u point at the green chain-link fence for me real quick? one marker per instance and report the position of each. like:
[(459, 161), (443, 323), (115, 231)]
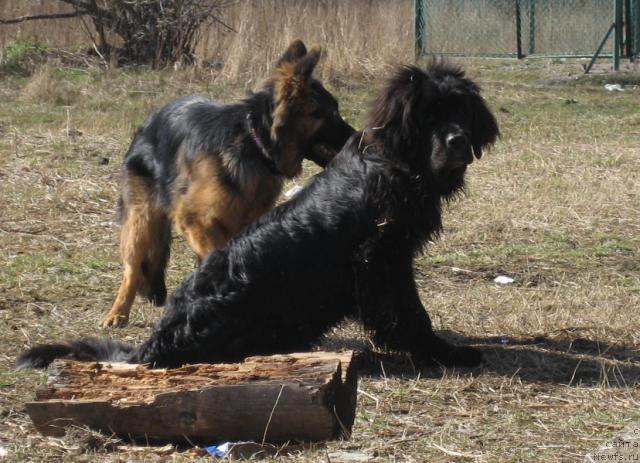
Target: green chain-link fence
[(535, 28)]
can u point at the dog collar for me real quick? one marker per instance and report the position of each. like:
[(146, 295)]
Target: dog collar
[(266, 156)]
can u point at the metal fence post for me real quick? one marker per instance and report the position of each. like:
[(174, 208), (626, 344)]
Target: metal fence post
[(532, 27), (633, 26), (617, 33), (419, 34), (628, 30), (519, 30)]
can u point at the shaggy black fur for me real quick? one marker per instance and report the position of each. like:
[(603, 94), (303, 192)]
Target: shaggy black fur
[(343, 246)]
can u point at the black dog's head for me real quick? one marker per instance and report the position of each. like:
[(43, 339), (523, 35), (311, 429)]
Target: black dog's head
[(306, 120), (435, 121)]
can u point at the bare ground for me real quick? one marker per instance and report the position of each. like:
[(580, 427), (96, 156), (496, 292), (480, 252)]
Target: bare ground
[(554, 206)]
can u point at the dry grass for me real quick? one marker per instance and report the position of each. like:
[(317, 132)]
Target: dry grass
[(361, 36), (58, 33), (554, 205)]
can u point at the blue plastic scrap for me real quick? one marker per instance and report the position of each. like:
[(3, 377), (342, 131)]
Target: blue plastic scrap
[(220, 450)]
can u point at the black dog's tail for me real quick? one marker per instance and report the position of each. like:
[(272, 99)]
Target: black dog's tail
[(85, 350)]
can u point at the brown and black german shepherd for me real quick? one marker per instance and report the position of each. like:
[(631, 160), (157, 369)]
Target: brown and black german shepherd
[(212, 169)]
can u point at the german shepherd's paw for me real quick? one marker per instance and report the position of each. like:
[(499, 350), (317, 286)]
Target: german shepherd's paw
[(114, 319)]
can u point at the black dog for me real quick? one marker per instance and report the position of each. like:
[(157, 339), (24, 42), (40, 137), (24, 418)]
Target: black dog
[(343, 246)]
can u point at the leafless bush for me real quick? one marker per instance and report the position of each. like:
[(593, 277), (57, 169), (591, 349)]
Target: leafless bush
[(154, 32)]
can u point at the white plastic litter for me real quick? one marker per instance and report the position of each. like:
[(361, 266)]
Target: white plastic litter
[(345, 456), (3, 452), (292, 191), (503, 280), (460, 270), (614, 87)]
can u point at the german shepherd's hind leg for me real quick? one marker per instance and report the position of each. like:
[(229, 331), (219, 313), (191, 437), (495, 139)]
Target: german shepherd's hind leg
[(204, 238), (144, 247), (152, 282), (204, 213)]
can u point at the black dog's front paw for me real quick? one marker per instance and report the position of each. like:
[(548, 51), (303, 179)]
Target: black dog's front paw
[(449, 355)]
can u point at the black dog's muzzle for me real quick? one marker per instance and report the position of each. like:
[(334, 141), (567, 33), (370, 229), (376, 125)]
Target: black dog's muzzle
[(459, 150)]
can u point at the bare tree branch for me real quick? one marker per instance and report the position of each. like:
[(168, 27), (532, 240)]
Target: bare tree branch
[(90, 7), (219, 21), (71, 14)]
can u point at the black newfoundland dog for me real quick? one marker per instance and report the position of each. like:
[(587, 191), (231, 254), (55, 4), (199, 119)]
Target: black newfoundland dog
[(341, 247)]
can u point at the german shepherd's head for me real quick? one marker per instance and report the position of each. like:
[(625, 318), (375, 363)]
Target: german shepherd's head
[(306, 120)]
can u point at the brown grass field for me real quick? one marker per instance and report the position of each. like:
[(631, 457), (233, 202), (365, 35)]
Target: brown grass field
[(363, 35), (555, 205)]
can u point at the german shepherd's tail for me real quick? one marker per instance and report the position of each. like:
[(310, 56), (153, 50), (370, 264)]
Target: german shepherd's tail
[(86, 350)]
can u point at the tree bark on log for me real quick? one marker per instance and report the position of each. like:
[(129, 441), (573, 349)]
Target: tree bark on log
[(295, 397)]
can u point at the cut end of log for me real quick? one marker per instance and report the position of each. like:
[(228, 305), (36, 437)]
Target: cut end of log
[(294, 397)]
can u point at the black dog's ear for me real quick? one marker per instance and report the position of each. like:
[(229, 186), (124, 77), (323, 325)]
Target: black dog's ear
[(293, 53), (484, 127), (397, 103)]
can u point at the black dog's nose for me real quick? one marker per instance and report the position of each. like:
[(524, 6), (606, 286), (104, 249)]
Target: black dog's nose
[(459, 148), (457, 141)]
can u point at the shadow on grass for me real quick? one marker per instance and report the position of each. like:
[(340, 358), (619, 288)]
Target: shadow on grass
[(571, 362)]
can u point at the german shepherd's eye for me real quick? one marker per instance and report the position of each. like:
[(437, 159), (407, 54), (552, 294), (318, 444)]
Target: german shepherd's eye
[(323, 112), (329, 110), (333, 113)]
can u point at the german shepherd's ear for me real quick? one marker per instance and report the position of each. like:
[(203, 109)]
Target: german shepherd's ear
[(484, 127), (293, 53), (306, 64), (291, 82)]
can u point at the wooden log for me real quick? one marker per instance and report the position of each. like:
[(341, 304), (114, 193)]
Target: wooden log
[(295, 397)]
